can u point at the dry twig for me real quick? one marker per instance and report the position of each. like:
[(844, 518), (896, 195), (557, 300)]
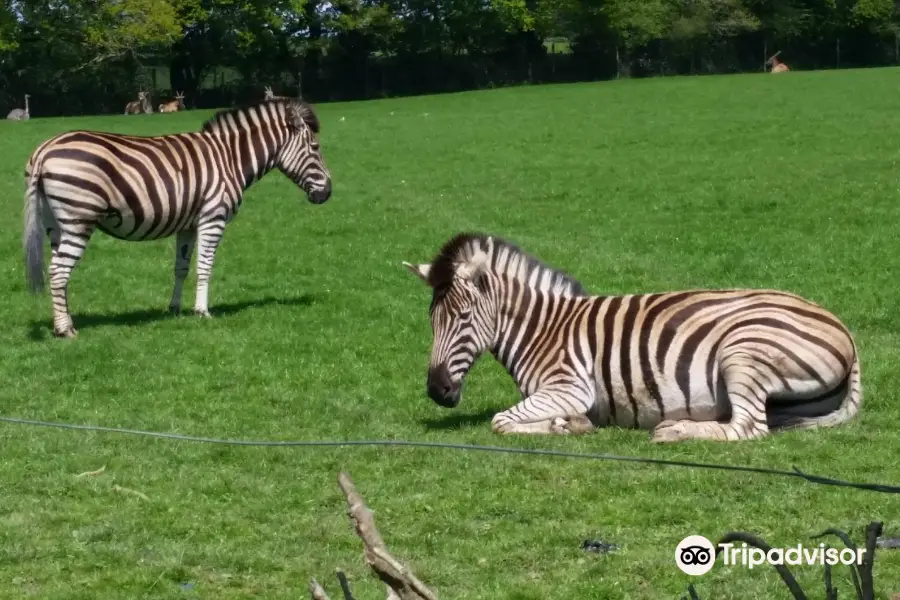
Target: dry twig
[(92, 473), (401, 583), (316, 590)]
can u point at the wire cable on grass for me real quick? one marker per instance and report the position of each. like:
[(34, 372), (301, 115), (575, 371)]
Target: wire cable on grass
[(873, 487)]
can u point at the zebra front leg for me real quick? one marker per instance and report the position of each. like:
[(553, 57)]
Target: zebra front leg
[(749, 386), (184, 248), (558, 411), (69, 249), (208, 237)]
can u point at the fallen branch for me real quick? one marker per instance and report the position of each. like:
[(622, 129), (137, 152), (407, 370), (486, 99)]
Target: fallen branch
[(125, 490), (316, 590), (400, 582), (92, 473)]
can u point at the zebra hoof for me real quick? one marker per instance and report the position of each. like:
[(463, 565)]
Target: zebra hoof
[(500, 424), (560, 426), (174, 310), (497, 424), (203, 314), (579, 424), (669, 431), (69, 333)]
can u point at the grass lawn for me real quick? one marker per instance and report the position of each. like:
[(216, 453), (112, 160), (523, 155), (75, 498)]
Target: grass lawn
[(635, 186)]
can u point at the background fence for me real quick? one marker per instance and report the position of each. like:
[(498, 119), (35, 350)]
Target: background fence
[(80, 57)]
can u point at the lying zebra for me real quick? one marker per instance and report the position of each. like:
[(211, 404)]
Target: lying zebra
[(147, 188), (699, 364)]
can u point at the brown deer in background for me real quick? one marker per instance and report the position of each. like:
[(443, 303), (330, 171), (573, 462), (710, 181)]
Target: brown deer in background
[(777, 65), (141, 105), (173, 105)]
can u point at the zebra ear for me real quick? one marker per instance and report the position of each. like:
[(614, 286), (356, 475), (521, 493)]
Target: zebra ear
[(473, 267), (420, 271), (302, 113)]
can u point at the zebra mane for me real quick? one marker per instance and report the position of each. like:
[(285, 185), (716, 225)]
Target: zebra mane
[(303, 110), (503, 258)]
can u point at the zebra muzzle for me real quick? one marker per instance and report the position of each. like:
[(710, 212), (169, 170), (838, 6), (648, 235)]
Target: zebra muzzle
[(320, 195), (441, 387)]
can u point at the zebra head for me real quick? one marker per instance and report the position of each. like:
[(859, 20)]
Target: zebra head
[(299, 158), (463, 317)]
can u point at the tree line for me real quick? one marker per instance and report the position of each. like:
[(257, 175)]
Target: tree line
[(89, 57)]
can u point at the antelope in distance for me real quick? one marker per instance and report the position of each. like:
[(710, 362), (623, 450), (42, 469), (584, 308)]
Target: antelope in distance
[(173, 105), (18, 114), (777, 65), (141, 105), (270, 95)]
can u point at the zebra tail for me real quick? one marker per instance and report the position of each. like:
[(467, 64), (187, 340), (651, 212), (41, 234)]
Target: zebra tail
[(33, 236)]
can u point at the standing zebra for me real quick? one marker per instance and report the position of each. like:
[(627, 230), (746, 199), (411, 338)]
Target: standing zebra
[(147, 188), (699, 364)]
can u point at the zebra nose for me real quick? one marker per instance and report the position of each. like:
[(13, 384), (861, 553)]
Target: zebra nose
[(320, 196), (441, 388)]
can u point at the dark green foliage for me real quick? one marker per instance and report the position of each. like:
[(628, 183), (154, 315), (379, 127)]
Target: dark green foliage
[(86, 57)]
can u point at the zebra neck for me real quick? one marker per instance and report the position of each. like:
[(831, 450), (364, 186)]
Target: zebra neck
[(525, 318), (251, 154)]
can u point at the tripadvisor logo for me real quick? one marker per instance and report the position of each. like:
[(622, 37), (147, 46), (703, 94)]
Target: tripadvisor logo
[(696, 555)]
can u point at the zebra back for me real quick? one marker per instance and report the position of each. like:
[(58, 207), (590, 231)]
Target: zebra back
[(157, 183)]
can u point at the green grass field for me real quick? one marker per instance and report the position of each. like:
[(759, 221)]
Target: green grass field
[(788, 182)]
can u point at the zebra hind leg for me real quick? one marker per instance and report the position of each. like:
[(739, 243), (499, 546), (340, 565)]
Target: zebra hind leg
[(69, 248), (184, 248), (748, 386), (208, 237)]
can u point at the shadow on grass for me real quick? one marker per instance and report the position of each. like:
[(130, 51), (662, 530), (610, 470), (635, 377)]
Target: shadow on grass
[(460, 420), (40, 330)]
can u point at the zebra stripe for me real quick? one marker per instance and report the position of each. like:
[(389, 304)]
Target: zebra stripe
[(727, 364), (139, 188)]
